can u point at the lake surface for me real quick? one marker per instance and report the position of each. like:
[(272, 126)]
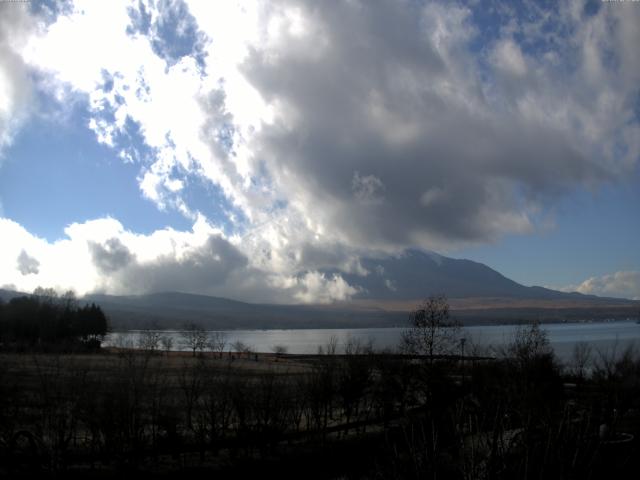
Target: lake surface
[(602, 336)]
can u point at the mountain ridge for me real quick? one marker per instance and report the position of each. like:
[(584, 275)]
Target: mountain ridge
[(416, 274), (391, 288)]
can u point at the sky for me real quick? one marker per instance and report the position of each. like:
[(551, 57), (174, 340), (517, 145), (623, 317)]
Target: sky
[(259, 150)]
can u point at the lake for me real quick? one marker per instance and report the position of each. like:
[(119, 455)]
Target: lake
[(602, 336)]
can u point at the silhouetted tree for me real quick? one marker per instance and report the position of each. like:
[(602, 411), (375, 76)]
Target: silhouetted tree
[(167, 343), (432, 331), (45, 319), (354, 377), (530, 342), (217, 342), (194, 337), (2, 324), (150, 338), (241, 347), (279, 349)]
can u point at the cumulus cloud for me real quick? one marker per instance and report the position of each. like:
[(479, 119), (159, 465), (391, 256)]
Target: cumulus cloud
[(110, 257), (409, 101), (290, 103), (625, 284), (508, 57), (15, 28), (316, 287), (201, 268), (101, 256), (26, 264)]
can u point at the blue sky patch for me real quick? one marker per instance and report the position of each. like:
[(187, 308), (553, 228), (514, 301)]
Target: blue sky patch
[(55, 175)]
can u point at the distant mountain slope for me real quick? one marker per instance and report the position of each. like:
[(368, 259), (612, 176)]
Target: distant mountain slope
[(6, 295), (416, 274), (174, 310), (392, 287)]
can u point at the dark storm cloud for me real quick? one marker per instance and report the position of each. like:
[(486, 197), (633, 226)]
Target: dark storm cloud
[(201, 270), (216, 268), (27, 264), (390, 132), (110, 257)]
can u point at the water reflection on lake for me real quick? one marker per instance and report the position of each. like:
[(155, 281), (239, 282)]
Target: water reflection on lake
[(603, 336)]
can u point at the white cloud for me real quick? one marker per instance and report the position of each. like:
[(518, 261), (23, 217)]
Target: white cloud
[(256, 112), (126, 80), (433, 120), (624, 284), (316, 287), (100, 255), (507, 56), (15, 87), (63, 264)]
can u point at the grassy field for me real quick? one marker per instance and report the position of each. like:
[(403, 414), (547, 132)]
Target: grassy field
[(134, 414)]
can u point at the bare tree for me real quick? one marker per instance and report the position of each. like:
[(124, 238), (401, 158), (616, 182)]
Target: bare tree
[(581, 358), (357, 346), (46, 295), (149, 340), (122, 341), (69, 301), (217, 342), (194, 338), (529, 342), (241, 347), (432, 331), (279, 349), (330, 348), (354, 376), (167, 343)]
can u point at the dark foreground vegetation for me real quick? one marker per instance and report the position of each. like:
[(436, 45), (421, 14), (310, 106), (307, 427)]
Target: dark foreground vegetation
[(360, 414), (45, 321)]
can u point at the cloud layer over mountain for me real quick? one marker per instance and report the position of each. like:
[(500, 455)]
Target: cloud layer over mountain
[(617, 284)]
